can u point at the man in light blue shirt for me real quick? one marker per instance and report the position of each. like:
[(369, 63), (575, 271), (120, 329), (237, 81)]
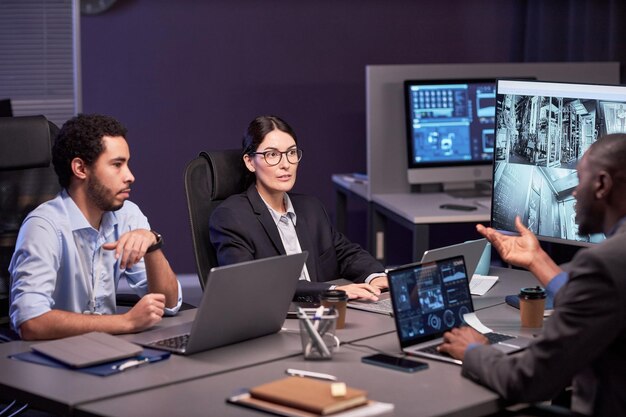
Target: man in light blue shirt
[(72, 250)]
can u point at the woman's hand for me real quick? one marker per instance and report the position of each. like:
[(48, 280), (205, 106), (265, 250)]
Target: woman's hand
[(361, 291)]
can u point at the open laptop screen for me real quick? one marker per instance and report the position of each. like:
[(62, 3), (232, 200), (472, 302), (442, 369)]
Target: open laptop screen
[(429, 298)]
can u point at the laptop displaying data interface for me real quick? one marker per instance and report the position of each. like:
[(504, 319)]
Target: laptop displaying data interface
[(472, 251), (431, 298), (240, 302)]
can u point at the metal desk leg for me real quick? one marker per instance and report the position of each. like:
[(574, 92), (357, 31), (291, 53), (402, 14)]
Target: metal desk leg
[(421, 239)]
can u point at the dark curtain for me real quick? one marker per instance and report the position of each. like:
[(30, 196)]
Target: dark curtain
[(575, 30)]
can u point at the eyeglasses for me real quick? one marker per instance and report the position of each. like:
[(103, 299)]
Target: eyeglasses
[(273, 157)]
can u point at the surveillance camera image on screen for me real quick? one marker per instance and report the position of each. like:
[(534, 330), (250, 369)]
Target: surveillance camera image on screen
[(542, 131)]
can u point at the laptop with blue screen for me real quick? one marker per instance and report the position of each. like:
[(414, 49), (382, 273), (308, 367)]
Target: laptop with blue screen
[(431, 298)]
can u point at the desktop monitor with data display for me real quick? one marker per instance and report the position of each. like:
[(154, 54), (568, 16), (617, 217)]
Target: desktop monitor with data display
[(450, 131), (542, 131)]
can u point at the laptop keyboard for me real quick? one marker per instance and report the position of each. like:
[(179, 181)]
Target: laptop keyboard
[(176, 342), (497, 337), (491, 337), (381, 306)]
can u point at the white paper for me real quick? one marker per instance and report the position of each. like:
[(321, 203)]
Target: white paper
[(472, 320), (480, 284)]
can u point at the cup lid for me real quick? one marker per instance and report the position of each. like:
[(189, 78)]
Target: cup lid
[(335, 295), (532, 292)]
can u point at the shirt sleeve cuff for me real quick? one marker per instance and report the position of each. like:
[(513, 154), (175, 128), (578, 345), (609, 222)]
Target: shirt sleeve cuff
[(173, 310), (471, 346), (556, 283), (371, 277)]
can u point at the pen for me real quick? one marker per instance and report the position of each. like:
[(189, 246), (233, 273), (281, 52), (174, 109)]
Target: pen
[(316, 339), (309, 374), (133, 363)]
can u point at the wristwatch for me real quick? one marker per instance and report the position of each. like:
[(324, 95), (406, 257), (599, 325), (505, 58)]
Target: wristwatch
[(158, 244)]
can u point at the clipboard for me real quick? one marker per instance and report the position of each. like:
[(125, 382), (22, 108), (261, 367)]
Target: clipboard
[(105, 369)]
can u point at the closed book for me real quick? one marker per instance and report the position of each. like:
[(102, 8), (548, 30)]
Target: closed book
[(309, 395)]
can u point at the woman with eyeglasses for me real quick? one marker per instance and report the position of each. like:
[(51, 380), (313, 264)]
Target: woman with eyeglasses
[(267, 220)]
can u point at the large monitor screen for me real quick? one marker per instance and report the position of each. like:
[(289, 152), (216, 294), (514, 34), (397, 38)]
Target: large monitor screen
[(542, 131), (450, 124)]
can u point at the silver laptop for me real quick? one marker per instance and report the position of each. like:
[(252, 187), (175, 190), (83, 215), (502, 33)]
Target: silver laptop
[(472, 251), (430, 299), (240, 301)]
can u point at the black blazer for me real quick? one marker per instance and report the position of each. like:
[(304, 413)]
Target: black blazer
[(242, 229)]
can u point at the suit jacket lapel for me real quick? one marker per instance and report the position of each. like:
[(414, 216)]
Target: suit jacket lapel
[(265, 218), (303, 230)]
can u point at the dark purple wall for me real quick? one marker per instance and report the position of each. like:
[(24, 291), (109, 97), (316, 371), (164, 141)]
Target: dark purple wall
[(186, 76)]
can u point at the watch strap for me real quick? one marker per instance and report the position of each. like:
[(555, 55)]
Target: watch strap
[(158, 244)]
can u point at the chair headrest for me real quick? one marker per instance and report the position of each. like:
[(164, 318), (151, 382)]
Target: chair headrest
[(229, 172), (24, 142)]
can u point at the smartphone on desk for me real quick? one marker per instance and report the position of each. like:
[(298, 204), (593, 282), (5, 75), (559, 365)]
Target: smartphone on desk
[(460, 207), (395, 362)]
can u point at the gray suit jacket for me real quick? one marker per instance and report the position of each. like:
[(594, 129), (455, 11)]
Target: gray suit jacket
[(583, 342), (242, 229)]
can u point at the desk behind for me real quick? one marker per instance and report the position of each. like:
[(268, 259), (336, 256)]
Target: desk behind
[(416, 212)]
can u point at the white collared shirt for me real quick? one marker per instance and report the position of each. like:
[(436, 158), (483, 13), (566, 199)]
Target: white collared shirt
[(286, 224)]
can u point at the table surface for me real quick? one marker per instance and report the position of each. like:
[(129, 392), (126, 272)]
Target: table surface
[(200, 383)]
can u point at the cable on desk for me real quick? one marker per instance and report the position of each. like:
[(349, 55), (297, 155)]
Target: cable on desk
[(368, 347)]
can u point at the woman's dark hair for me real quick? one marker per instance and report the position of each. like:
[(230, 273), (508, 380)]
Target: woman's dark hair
[(261, 126), (81, 137)]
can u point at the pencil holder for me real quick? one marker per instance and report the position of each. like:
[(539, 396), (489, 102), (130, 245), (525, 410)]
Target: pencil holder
[(317, 332)]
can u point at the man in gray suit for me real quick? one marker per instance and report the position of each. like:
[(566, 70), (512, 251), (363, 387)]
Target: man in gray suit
[(584, 341)]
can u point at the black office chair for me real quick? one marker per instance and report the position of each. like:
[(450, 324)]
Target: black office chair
[(210, 178), (27, 179)]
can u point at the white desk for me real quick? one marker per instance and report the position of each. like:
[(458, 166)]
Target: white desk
[(416, 211)]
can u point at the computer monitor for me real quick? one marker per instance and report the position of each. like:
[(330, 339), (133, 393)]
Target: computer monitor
[(450, 131), (542, 131)]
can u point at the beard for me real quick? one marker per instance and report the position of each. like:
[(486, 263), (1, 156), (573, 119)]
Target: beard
[(588, 219), (101, 196)]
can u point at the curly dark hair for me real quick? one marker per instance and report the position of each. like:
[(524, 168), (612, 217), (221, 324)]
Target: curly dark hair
[(81, 137)]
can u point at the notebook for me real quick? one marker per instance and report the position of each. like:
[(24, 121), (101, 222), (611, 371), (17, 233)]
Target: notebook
[(472, 251), (87, 349), (431, 298), (240, 301)]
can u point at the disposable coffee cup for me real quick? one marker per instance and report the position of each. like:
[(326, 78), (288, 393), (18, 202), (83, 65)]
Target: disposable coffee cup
[(339, 300), (532, 303)]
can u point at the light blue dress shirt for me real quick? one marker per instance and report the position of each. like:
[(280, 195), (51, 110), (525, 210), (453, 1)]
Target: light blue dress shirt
[(59, 263)]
